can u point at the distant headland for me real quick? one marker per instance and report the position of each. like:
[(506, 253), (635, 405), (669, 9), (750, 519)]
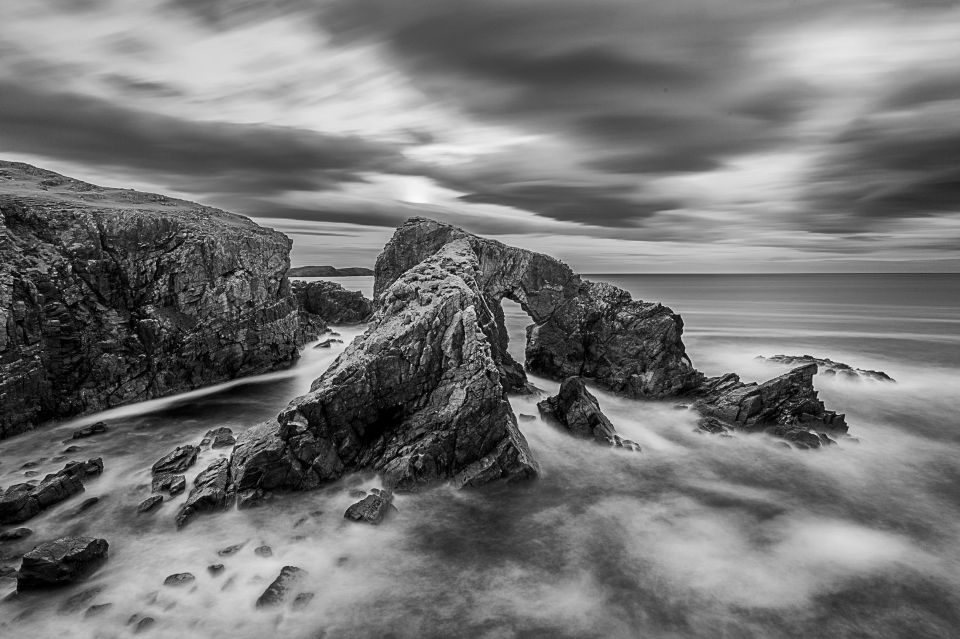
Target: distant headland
[(329, 271)]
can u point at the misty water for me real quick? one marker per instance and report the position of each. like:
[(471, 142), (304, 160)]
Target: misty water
[(697, 536)]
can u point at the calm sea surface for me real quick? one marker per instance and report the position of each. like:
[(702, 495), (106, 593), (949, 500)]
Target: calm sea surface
[(694, 537)]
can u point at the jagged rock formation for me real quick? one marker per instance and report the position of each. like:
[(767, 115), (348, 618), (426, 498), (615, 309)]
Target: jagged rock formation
[(577, 410), (417, 398), (372, 509), (421, 396), (21, 502), (109, 296), (276, 592), (786, 406), (212, 491), (333, 303), (830, 367), (580, 328), (329, 271), (61, 562)]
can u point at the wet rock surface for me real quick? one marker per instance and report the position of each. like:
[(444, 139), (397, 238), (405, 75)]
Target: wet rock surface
[(179, 579), (90, 431), (787, 406), (576, 409), (20, 502), (219, 438), (110, 296), (829, 367), (333, 303), (211, 492), (417, 398), (174, 484), (150, 503), (61, 562), (279, 589), (372, 509), (15, 534), (176, 461)]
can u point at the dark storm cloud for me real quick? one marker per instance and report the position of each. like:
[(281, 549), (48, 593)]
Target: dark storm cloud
[(891, 167), (941, 87), (192, 155)]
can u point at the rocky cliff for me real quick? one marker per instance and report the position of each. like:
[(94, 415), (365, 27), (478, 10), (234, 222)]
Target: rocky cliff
[(109, 296)]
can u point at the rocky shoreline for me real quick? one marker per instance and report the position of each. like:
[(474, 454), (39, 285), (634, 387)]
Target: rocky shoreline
[(420, 398)]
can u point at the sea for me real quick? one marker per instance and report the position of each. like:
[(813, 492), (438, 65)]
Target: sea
[(695, 536)]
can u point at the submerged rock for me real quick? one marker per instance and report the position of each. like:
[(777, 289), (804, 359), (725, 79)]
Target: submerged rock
[(829, 367), (263, 551), (177, 461), (110, 296), (578, 411), (211, 492), (61, 562), (215, 569), (277, 591), (302, 600), (15, 534), (91, 430), (332, 302)]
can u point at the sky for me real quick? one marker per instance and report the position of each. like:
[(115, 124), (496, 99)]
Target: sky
[(619, 135)]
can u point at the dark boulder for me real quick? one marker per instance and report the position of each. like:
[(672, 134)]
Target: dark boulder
[(215, 569), (61, 562), (278, 590), (179, 579), (211, 492), (20, 502), (577, 410), (150, 503), (219, 438), (372, 509), (263, 551), (176, 461)]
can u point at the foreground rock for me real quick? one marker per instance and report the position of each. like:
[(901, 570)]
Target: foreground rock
[(90, 431), (578, 411), (417, 398), (372, 509), (786, 406), (829, 367), (174, 484), (211, 492), (110, 296), (61, 562), (15, 534), (219, 438), (176, 461), (277, 591), (333, 303), (150, 503), (20, 502)]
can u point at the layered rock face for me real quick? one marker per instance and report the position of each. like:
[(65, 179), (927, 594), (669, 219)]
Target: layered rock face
[(109, 296), (830, 367), (580, 328), (786, 406), (577, 410), (417, 398)]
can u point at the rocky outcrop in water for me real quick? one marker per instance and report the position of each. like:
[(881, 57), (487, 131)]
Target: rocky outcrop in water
[(211, 492), (333, 303), (417, 398), (580, 328), (575, 409), (61, 562), (279, 588), (110, 296), (372, 509), (329, 271), (829, 367), (21, 502), (787, 406)]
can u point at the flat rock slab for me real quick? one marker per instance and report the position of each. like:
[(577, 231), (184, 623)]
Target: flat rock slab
[(179, 579), (150, 503), (177, 461), (91, 430), (220, 438), (174, 484), (15, 534), (60, 562)]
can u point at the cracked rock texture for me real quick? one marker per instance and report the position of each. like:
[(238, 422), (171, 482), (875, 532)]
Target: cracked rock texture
[(580, 328), (786, 406), (110, 296), (332, 302), (417, 398), (577, 410)]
